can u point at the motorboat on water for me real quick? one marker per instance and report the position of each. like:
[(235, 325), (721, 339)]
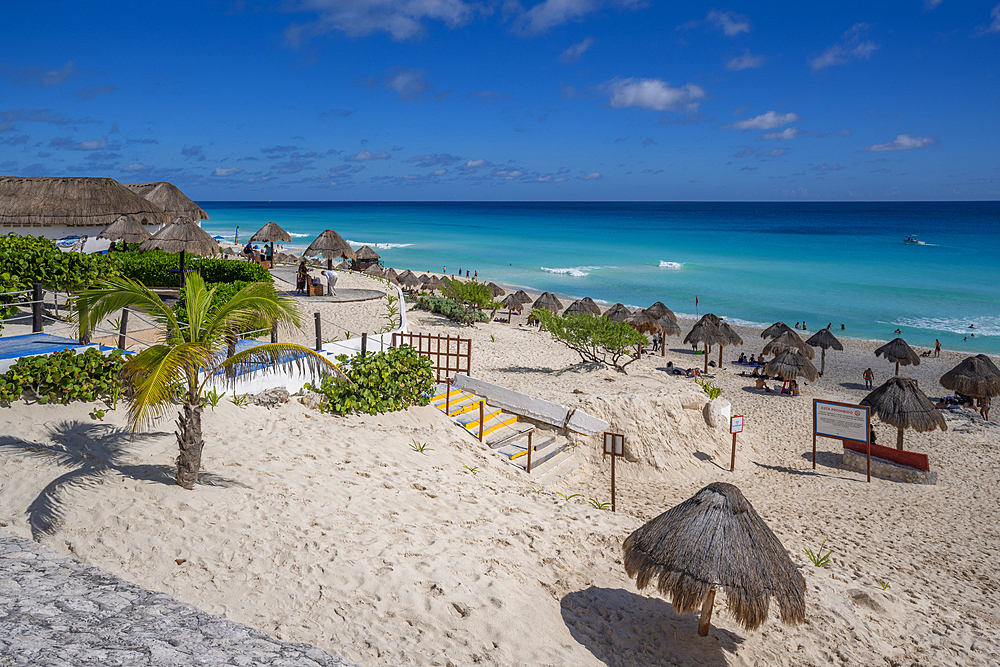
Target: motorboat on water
[(913, 240)]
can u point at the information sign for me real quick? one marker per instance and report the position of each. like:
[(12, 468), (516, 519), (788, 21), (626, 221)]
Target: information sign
[(736, 424), (614, 444), (840, 420)]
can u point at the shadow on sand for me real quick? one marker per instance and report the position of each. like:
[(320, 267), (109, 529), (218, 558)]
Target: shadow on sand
[(582, 367), (625, 629), (91, 452)]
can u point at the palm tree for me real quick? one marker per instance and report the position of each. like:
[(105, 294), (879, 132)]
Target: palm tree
[(187, 357)]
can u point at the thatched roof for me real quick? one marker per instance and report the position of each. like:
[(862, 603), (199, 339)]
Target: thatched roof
[(182, 235), (408, 279), (789, 341), (131, 231), (788, 363), (658, 310), (343, 266), (170, 199), (366, 253), (512, 303), (329, 244), (589, 303), (669, 326), (900, 403), (642, 322), (734, 338), (617, 313), (577, 308), (392, 276), (522, 296), (72, 202), (775, 330), (707, 331), (374, 270), (716, 539), (271, 232), (496, 289), (824, 339), (898, 351), (976, 376), (424, 278), (548, 301)]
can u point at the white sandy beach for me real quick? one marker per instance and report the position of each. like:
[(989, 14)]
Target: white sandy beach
[(335, 531)]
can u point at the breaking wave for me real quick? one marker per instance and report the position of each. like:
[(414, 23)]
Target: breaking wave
[(377, 246), (671, 265), (575, 271)]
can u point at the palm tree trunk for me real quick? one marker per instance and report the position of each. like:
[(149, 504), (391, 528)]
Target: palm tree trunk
[(190, 443)]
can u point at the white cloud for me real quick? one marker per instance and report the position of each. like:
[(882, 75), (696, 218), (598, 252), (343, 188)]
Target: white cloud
[(746, 61), (476, 164), (365, 156), (931, 4), (231, 171), (788, 133), (402, 19), (408, 83), (440, 172), (573, 53), (901, 143), (138, 166), (550, 13), (765, 121), (729, 23), (994, 25), (654, 94), (591, 177), (508, 174), (777, 152), (851, 48)]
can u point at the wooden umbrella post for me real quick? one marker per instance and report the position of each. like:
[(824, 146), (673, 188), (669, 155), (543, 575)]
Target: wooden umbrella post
[(822, 360), (868, 456), (705, 622), (706, 358), (899, 438), (720, 357)]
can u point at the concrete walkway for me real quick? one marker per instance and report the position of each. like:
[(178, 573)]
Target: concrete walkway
[(57, 611)]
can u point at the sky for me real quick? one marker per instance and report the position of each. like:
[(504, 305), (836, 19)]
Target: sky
[(508, 99)]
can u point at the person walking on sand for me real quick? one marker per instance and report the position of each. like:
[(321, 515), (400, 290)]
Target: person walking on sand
[(937, 348), (868, 376), (301, 276), (984, 407)]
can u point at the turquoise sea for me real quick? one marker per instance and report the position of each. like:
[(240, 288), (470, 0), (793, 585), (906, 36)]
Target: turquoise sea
[(752, 263)]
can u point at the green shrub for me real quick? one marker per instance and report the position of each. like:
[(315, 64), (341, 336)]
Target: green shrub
[(710, 389), (159, 269), (9, 283), (64, 376), (451, 309), (379, 382), (470, 293), (595, 339), (39, 260)]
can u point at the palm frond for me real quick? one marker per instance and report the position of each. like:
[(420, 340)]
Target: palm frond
[(252, 306), (197, 301), (91, 306), (153, 374), (270, 357)]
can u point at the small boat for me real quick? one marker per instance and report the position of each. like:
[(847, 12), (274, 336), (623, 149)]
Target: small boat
[(913, 240)]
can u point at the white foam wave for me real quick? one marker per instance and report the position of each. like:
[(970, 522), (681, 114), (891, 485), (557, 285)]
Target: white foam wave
[(747, 323), (298, 236), (671, 265), (984, 326), (378, 246), (575, 271)]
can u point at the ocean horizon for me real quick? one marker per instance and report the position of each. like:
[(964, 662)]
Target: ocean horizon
[(752, 263)]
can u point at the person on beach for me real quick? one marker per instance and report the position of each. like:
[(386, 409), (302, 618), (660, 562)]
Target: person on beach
[(248, 252), (803, 325), (331, 281), (897, 331), (868, 377), (829, 326), (937, 348), (796, 325), (300, 278), (842, 327), (984, 407), (762, 385), (793, 388)]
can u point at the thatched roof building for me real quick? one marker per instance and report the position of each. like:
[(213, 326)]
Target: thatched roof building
[(170, 199), (788, 363), (330, 245), (522, 296), (64, 204), (976, 376), (716, 540), (364, 257), (548, 301), (900, 403)]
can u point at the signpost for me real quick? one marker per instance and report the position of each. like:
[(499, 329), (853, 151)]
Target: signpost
[(614, 445), (843, 421), (735, 426)]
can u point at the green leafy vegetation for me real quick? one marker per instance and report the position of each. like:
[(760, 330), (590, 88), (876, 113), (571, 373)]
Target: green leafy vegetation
[(9, 283), (570, 497), (451, 309), (421, 447), (710, 389), (241, 400), (819, 559), (64, 376), (470, 293), (883, 584), (473, 469), (222, 293), (29, 259), (595, 339), (158, 268), (379, 382), (212, 398), (599, 505)]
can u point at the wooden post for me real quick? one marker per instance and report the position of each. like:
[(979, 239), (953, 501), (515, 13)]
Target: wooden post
[(720, 356), (122, 329), (706, 358), (822, 360), (732, 461), (364, 344), (663, 344), (814, 444), (868, 456), (319, 334), (705, 622), (36, 308), (329, 263), (482, 412), (447, 395), (274, 332), (182, 270), (899, 438), (529, 452), (613, 457)]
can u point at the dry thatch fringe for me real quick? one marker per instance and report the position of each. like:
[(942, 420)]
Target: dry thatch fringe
[(775, 330), (329, 245), (496, 290), (392, 276), (591, 306), (669, 326), (975, 376), (789, 340), (424, 278), (734, 338), (716, 539), (707, 331), (548, 301), (642, 322), (374, 270), (512, 303), (787, 365), (897, 350), (658, 310), (169, 198), (522, 296), (131, 231), (72, 202), (271, 232), (366, 253), (408, 279), (617, 313), (824, 339), (182, 235), (900, 403), (577, 308)]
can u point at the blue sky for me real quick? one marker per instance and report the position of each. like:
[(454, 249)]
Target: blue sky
[(509, 100)]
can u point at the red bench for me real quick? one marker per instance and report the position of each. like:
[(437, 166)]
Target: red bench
[(903, 458)]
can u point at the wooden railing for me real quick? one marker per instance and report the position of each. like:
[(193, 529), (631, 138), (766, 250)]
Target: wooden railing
[(448, 354)]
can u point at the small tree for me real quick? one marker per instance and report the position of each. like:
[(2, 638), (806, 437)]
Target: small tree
[(471, 294), (593, 338)]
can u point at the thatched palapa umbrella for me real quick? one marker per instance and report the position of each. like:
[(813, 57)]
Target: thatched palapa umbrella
[(823, 339), (374, 270), (578, 307), (548, 301), (642, 322), (788, 363), (775, 330), (270, 233), (329, 244), (591, 306), (669, 326), (496, 289), (169, 198), (617, 313), (708, 331), (716, 540), (897, 350), (392, 276), (658, 310), (975, 376), (789, 340), (512, 303), (126, 229), (898, 402), (182, 236), (409, 279), (522, 296)]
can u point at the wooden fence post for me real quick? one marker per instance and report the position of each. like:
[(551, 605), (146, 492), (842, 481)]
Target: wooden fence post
[(319, 334), (122, 329), (36, 309)]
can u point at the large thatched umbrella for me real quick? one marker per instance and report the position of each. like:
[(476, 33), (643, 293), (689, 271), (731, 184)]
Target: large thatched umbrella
[(424, 278), (512, 303), (374, 270), (642, 322), (409, 279), (669, 326), (522, 296), (976, 376), (169, 198), (658, 310), (617, 313), (734, 338), (496, 289), (433, 283), (578, 307), (270, 233), (789, 340), (392, 276), (127, 229), (708, 331), (182, 236), (775, 330), (897, 350), (788, 363), (329, 244), (548, 301), (900, 403), (716, 540), (823, 339), (591, 306)]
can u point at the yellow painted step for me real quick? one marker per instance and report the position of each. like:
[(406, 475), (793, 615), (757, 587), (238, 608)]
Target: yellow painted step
[(500, 424), (474, 424), (467, 407), (441, 397)]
